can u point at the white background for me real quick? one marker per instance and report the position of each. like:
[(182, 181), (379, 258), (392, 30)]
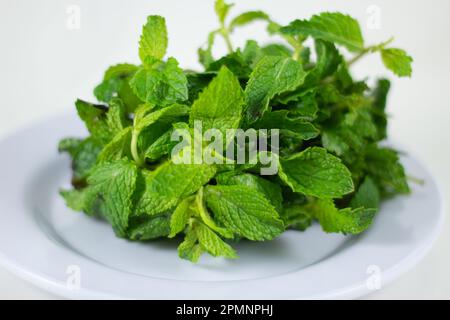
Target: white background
[(44, 66)]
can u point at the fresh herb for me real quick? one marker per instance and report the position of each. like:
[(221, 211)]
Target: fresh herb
[(331, 167)]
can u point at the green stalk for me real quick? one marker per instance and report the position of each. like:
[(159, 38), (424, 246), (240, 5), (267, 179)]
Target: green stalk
[(226, 36), (134, 149), (371, 49)]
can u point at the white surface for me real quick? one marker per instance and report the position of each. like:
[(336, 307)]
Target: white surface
[(76, 256), (45, 66)]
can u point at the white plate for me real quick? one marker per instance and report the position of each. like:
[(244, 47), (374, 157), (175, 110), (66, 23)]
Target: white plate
[(46, 243)]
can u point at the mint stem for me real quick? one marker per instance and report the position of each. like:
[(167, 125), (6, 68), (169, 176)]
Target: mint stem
[(371, 49), (226, 36), (134, 149)]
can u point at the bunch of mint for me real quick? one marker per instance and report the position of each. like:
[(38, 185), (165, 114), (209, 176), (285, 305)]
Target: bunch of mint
[(331, 167)]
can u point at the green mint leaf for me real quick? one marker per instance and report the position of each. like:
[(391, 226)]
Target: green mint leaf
[(117, 148), (296, 217), (205, 56), (153, 42), (94, 117), (180, 216), (103, 123), (328, 60), (329, 26), (121, 70), (76, 199), (351, 134), (271, 76), (190, 249), (220, 105), (306, 106), (115, 183), (168, 114), (247, 18), (169, 184), (270, 190), (69, 145), (383, 165), (398, 61), (108, 89), (197, 82), (251, 52), (161, 84), (291, 126), (148, 228), (347, 221), (277, 49), (212, 243), (116, 117), (235, 62), (379, 116), (315, 172), (367, 196), (222, 8), (160, 147), (114, 83), (206, 218), (84, 157), (244, 211)]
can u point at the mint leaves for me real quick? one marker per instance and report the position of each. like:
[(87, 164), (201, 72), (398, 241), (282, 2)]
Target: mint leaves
[(245, 211), (140, 170), (314, 172), (272, 75), (329, 26), (154, 40), (220, 104), (398, 61)]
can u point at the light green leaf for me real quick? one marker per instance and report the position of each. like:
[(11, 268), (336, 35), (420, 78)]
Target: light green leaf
[(212, 243), (160, 147), (315, 172), (189, 249), (147, 228), (161, 84), (153, 42), (116, 117), (270, 190), (398, 61), (180, 216), (69, 145), (115, 83), (329, 26), (167, 114), (115, 183), (347, 221), (77, 200), (206, 218), (220, 105), (291, 126), (84, 157), (118, 148), (205, 56), (94, 117), (244, 211), (222, 8), (272, 75), (170, 183), (246, 18)]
